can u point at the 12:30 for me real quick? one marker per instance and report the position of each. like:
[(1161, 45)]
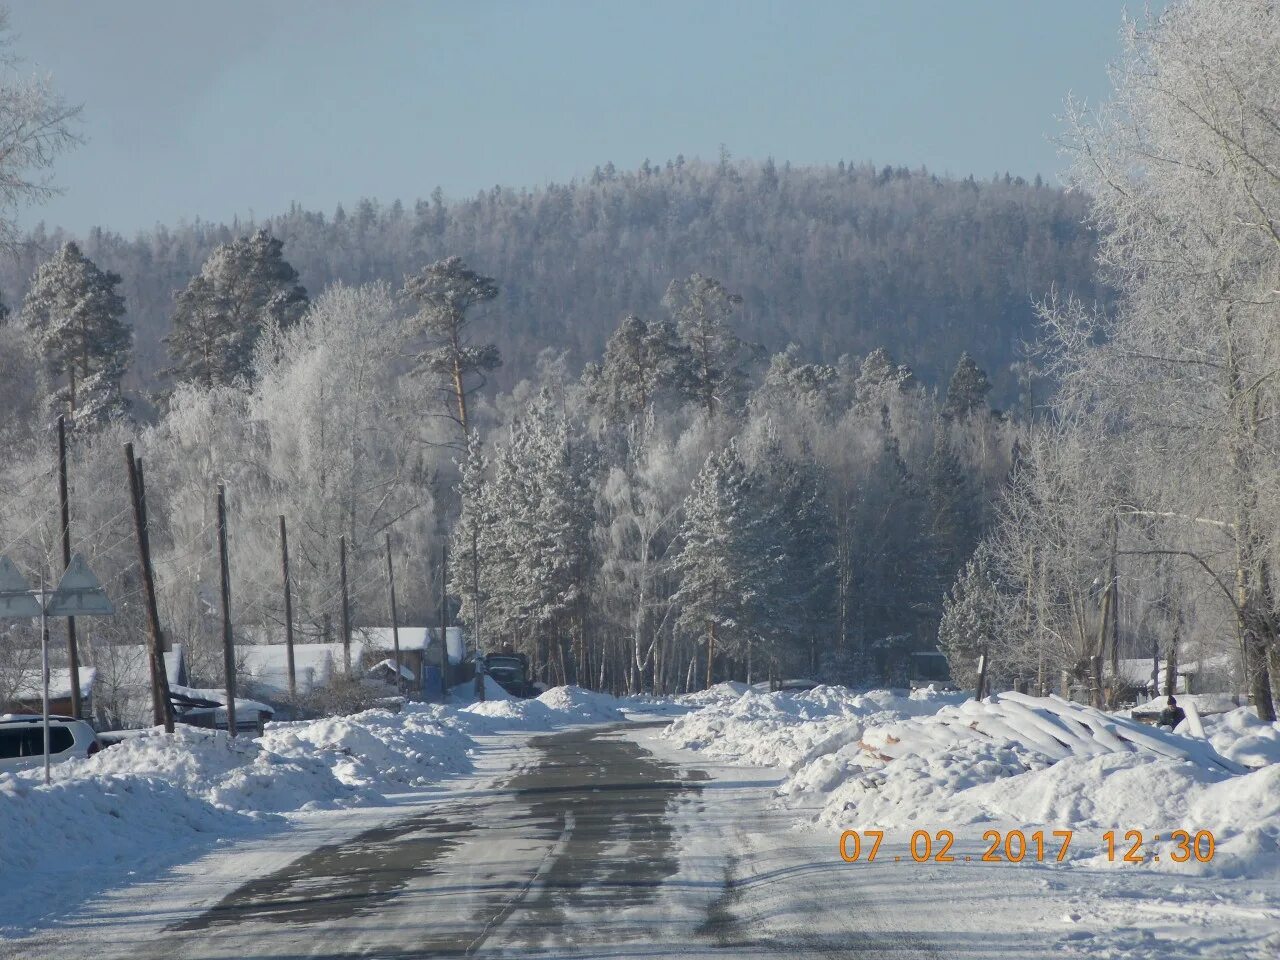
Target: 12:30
[(1187, 846)]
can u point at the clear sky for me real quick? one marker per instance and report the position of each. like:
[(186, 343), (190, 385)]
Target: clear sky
[(236, 107)]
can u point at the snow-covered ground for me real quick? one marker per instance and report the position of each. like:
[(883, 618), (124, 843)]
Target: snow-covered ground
[(161, 826), (927, 761), (158, 800)]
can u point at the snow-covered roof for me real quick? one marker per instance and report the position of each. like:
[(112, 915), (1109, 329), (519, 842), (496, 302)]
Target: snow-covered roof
[(59, 684), (244, 706), (1138, 670), (129, 664), (266, 666), (417, 638), (389, 666)]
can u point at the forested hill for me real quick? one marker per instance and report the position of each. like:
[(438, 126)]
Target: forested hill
[(837, 259)]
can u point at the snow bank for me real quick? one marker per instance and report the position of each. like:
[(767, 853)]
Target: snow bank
[(81, 834), (379, 748), (885, 761), (558, 707), (1239, 735), (237, 773), (782, 729)]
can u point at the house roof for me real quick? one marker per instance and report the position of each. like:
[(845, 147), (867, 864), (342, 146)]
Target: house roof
[(127, 665), (388, 666), (265, 665), (425, 639), (59, 684), (244, 706)]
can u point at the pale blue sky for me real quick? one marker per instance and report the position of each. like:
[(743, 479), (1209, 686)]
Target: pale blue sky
[(215, 109)]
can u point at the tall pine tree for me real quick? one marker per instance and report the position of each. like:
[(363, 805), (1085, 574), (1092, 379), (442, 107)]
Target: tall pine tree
[(445, 291), (77, 317), (701, 308), (642, 361), (244, 287)]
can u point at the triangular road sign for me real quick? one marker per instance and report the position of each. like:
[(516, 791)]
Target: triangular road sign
[(16, 601), (79, 594)]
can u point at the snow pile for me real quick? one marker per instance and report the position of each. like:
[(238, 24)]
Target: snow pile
[(719, 693), (558, 707), (415, 746), (785, 729), (1240, 736), (582, 706), (1044, 763), (883, 761), (232, 773)]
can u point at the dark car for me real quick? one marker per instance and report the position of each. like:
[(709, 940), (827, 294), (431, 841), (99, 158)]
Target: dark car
[(511, 672)]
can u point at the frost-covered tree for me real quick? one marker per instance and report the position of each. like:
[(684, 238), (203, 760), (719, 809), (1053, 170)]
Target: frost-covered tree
[(535, 549), (967, 390), (36, 126), (1181, 167), (642, 361), (77, 317), (245, 287), (718, 568), (793, 605), (971, 616), (702, 308), (444, 292)]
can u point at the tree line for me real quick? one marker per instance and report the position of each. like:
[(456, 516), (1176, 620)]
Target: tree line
[(685, 509)]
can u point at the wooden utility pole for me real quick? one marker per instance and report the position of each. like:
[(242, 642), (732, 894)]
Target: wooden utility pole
[(444, 622), (165, 646), (288, 612), (346, 606), (1107, 627), (162, 709), (228, 641), (982, 675), (73, 650), (395, 620)]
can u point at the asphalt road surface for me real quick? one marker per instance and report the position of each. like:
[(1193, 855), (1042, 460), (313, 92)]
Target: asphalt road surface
[(594, 847)]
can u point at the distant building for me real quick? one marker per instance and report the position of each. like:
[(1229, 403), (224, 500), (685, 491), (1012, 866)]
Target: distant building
[(28, 695)]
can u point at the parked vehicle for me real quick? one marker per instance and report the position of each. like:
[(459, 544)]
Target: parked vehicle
[(511, 672), (931, 669), (22, 740)]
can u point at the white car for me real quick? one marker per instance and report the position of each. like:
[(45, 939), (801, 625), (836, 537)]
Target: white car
[(22, 740)]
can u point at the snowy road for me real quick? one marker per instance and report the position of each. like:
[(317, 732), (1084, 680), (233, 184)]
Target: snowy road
[(600, 842)]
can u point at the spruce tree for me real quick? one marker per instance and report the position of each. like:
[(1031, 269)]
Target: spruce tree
[(471, 549), (953, 504), (970, 615), (244, 287), (798, 590), (445, 291), (76, 315), (967, 391), (717, 566)]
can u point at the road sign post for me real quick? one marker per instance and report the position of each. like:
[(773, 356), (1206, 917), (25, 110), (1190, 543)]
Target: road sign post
[(78, 594)]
